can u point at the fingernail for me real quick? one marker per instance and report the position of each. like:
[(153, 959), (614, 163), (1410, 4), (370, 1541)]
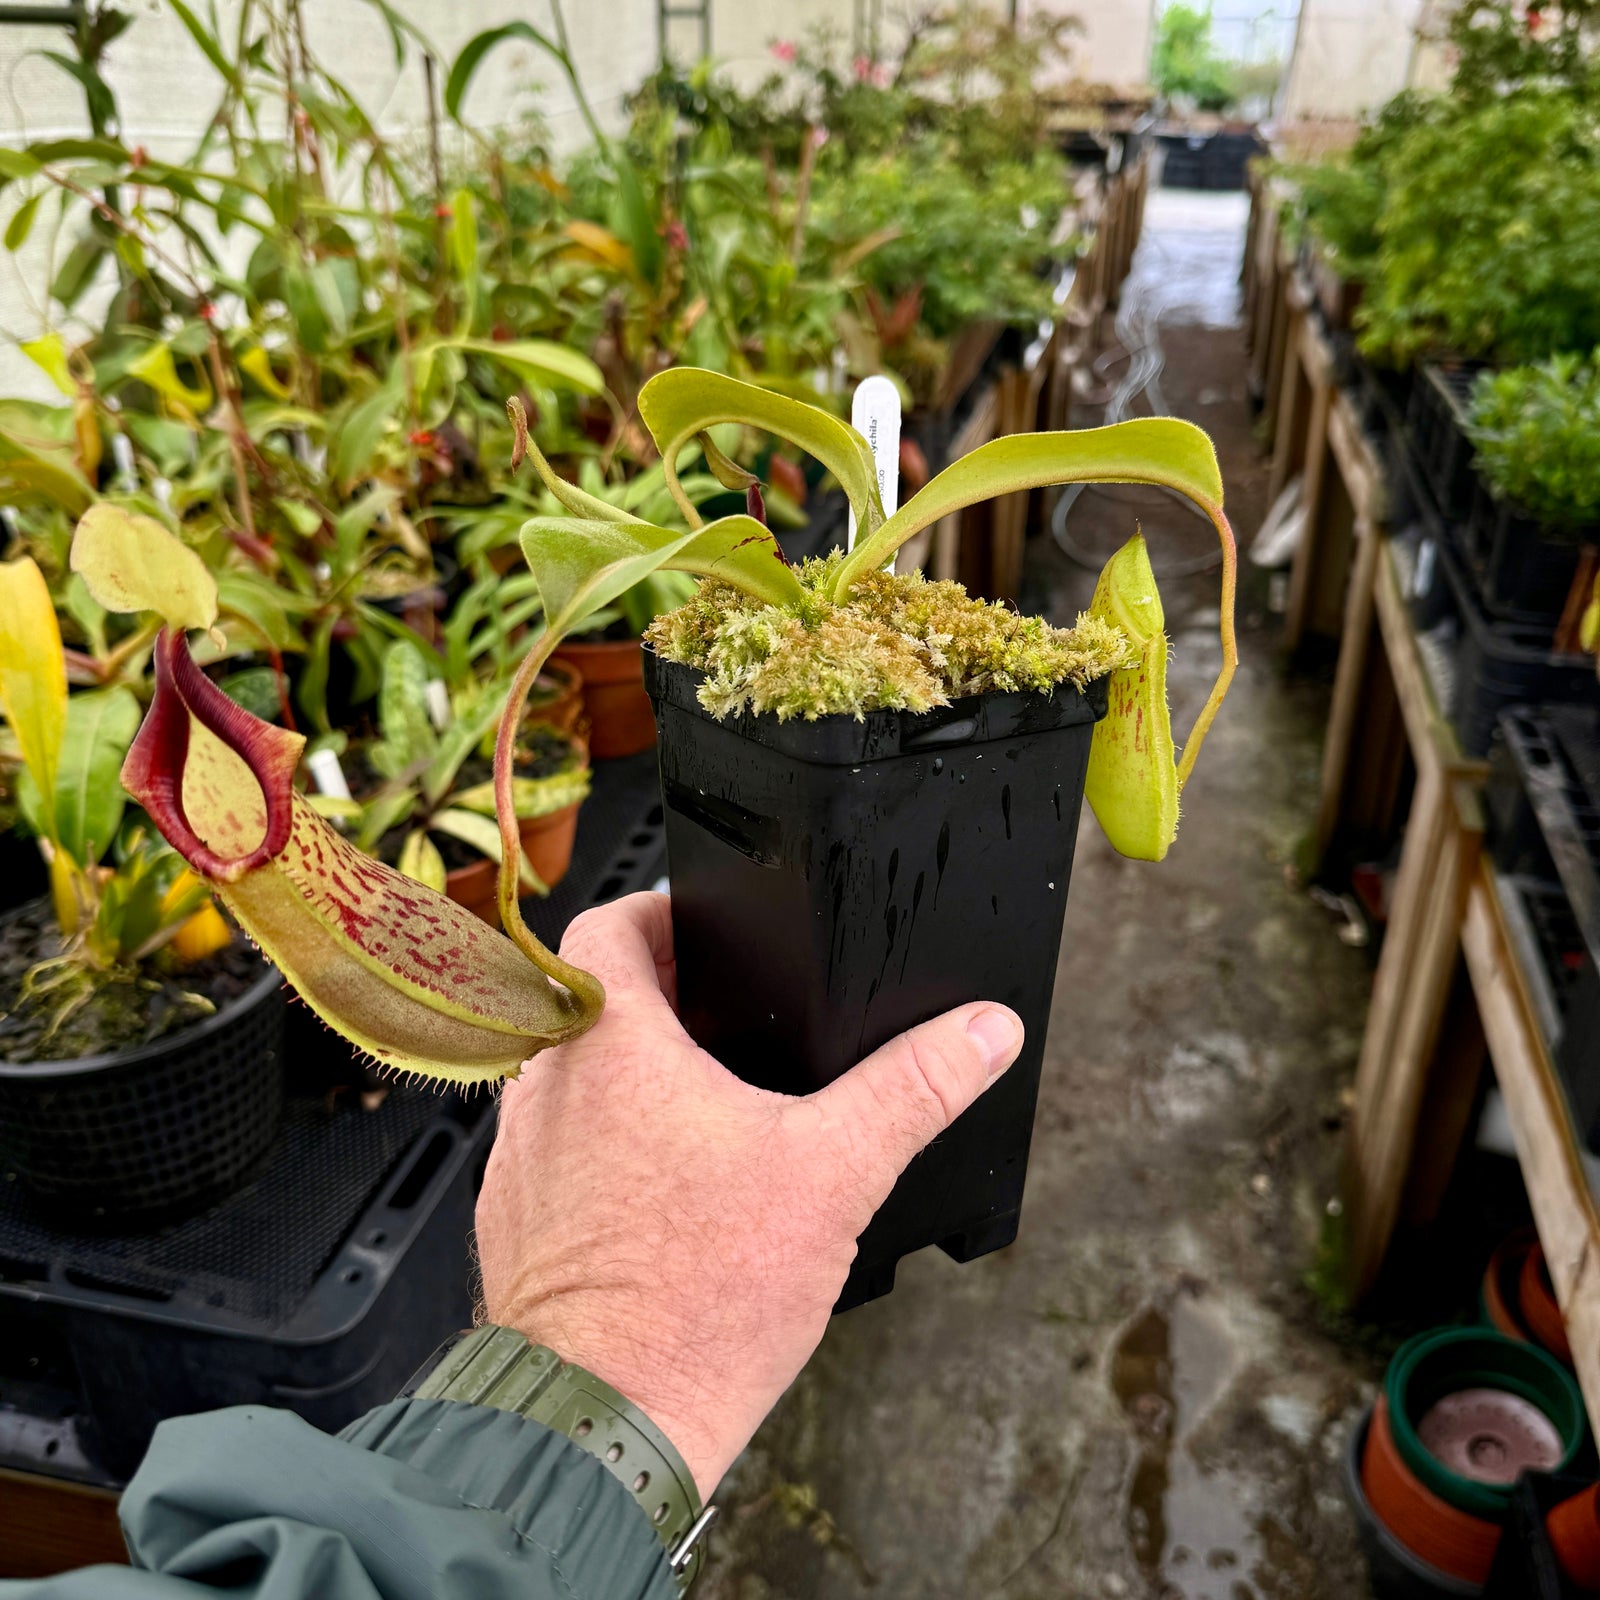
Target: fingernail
[(999, 1037)]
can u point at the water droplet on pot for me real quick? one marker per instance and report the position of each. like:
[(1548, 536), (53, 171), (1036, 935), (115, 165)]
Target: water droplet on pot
[(1051, 885), (1005, 807), (938, 764), (894, 865)]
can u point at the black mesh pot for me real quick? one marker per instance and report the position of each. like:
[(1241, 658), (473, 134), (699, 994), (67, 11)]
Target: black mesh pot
[(837, 882), (119, 1139)]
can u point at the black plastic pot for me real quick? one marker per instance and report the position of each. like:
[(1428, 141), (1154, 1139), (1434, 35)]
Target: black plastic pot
[(1396, 1574), (1525, 570), (836, 882), (121, 1139)]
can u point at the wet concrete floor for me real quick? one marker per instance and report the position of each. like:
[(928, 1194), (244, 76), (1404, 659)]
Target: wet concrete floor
[(1142, 1397)]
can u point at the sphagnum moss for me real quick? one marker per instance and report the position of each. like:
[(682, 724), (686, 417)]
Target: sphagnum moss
[(900, 642)]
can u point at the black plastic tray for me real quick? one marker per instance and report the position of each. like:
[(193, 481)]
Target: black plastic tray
[(319, 1286)]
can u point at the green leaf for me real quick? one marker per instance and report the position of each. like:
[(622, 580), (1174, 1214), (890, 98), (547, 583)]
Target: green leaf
[(132, 563), (21, 223), (210, 47), (89, 795), (408, 735), (476, 48), (242, 594), (530, 797), (680, 404), (464, 251), (582, 565), (1159, 450), (420, 859), (33, 677), (541, 360), (364, 424), (28, 474)]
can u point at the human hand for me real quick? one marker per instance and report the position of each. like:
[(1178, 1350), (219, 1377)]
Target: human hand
[(680, 1234)]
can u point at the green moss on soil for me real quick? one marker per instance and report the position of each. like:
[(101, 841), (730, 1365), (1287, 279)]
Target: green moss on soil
[(900, 642)]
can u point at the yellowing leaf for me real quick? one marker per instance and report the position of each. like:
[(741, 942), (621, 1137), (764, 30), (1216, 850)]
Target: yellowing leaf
[(420, 859), (33, 675), (132, 563), (1132, 785), (601, 243)]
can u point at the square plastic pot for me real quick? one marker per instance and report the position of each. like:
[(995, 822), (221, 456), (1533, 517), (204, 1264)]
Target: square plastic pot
[(837, 882)]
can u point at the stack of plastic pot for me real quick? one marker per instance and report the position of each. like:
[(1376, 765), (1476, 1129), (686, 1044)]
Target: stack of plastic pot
[(1518, 1298), (1463, 1413), (1551, 1547)]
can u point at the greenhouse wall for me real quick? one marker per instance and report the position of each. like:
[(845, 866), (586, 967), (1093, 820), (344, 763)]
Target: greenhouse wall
[(1349, 56)]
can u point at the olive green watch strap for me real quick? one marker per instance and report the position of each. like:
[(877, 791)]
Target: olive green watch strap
[(499, 1368)]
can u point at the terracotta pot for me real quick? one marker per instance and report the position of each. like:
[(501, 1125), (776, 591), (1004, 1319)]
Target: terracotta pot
[(1537, 1300), (621, 722), (566, 708), (1501, 1284), (548, 841), (1433, 1530), (1574, 1529)]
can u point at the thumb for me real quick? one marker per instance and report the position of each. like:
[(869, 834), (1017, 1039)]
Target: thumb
[(906, 1094)]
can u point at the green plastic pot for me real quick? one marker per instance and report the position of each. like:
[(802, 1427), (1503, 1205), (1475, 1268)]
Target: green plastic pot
[(1438, 1363)]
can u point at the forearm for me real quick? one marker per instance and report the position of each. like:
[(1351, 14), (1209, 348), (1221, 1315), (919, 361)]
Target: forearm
[(420, 1498)]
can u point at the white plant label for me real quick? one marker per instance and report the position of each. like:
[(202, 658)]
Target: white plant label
[(875, 415), (327, 774), (437, 697)]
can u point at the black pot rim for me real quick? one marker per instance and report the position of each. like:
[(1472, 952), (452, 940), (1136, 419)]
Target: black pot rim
[(41, 1072), (1356, 1493)]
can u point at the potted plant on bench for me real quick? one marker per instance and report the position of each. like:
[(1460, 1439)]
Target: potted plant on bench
[(841, 748)]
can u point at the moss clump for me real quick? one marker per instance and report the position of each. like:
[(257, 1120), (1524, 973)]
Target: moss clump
[(898, 643)]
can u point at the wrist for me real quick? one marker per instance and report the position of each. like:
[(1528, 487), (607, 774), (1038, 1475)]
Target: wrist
[(499, 1368), (626, 1348)]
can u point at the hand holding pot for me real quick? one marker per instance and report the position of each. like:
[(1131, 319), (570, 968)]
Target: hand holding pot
[(677, 1232)]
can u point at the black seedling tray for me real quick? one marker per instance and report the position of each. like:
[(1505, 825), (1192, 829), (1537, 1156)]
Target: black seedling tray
[(1525, 571), (1545, 810), (1500, 665), (324, 1282), (1436, 422)]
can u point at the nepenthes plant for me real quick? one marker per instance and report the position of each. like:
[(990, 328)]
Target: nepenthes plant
[(427, 988)]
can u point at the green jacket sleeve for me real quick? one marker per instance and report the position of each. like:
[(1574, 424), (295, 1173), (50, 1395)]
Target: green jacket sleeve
[(418, 1500)]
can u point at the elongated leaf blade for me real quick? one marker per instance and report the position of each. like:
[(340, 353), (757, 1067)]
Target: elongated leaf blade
[(420, 859), (542, 360), (89, 794), (581, 564), (476, 48), (1157, 450), (33, 677), (681, 403)]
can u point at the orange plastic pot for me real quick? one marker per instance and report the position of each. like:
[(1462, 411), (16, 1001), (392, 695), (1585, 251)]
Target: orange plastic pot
[(1434, 1531), (1574, 1530), (1502, 1280), (1536, 1298), (621, 722)]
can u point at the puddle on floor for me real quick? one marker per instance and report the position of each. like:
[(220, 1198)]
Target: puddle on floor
[(1195, 1533)]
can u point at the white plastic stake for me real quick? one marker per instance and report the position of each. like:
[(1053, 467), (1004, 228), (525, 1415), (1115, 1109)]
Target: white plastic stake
[(437, 697), (327, 774), (875, 415)]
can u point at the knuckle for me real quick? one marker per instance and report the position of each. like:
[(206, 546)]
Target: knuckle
[(935, 1078)]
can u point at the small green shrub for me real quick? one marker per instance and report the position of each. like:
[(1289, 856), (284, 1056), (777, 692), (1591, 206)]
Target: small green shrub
[(1185, 64), (1537, 433)]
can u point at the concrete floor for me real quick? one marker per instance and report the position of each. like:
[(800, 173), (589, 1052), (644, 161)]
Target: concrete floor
[(1141, 1397)]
